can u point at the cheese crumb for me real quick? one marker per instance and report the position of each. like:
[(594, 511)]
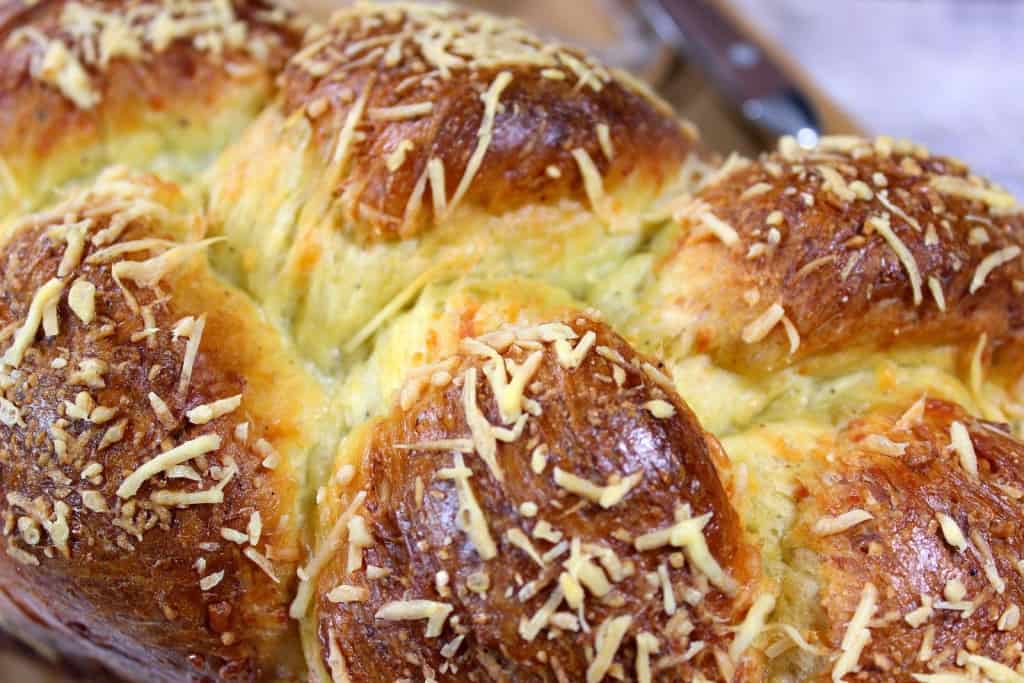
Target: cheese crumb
[(82, 300), (539, 459), (210, 582), (660, 409), (345, 593)]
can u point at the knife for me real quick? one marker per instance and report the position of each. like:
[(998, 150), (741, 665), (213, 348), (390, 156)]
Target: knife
[(761, 92)]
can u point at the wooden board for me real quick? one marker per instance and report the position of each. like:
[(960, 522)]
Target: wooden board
[(608, 29)]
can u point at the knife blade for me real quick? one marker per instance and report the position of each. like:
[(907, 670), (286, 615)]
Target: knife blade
[(764, 96)]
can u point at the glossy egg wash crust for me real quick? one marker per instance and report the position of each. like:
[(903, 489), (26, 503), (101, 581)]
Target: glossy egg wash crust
[(413, 347)]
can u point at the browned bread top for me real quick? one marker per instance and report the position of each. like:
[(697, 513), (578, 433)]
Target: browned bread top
[(855, 242), (919, 530), (433, 106), (84, 83), (150, 491), (89, 50), (590, 532)]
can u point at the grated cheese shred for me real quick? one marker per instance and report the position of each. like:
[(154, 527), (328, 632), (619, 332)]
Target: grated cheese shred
[(470, 517), (857, 634)]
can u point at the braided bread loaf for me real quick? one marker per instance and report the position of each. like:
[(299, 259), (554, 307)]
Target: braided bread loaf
[(412, 347)]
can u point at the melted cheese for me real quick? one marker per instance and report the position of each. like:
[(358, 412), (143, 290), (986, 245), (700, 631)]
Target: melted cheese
[(752, 626), (646, 645), (262, 562), (324, 552), (960, 187), (572, 356), (484, 134), (482, 432), (435, 174), (951, 532), (531, 628), (827, 526), (82, 300), (1000, 673), (719, 228), (688, 534), (191, 353), (761, 327)]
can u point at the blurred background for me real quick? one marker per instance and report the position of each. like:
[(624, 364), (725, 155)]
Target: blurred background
[(946, 73)]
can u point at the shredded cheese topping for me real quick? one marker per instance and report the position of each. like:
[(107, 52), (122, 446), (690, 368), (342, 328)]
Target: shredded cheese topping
[(606, 496), (827, 526), (961, 187), (607, 641), (752, 625), (951, 532), (761, 327), (471, 517), (857, 634), (882, 226), (200, 445), (208, 412), (960, 442), (45, 296), (990, 263), (436, 613), (484, 135)]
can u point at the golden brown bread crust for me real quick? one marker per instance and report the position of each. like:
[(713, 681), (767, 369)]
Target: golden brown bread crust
[(861, 243), (112, 571), (908, 557), (549, 102), (610, 419), (74, 73)]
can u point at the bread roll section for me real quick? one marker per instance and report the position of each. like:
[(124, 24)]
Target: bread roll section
[(414, 143), (847, 256), (544, 505), (151, 475), (157, 86)]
